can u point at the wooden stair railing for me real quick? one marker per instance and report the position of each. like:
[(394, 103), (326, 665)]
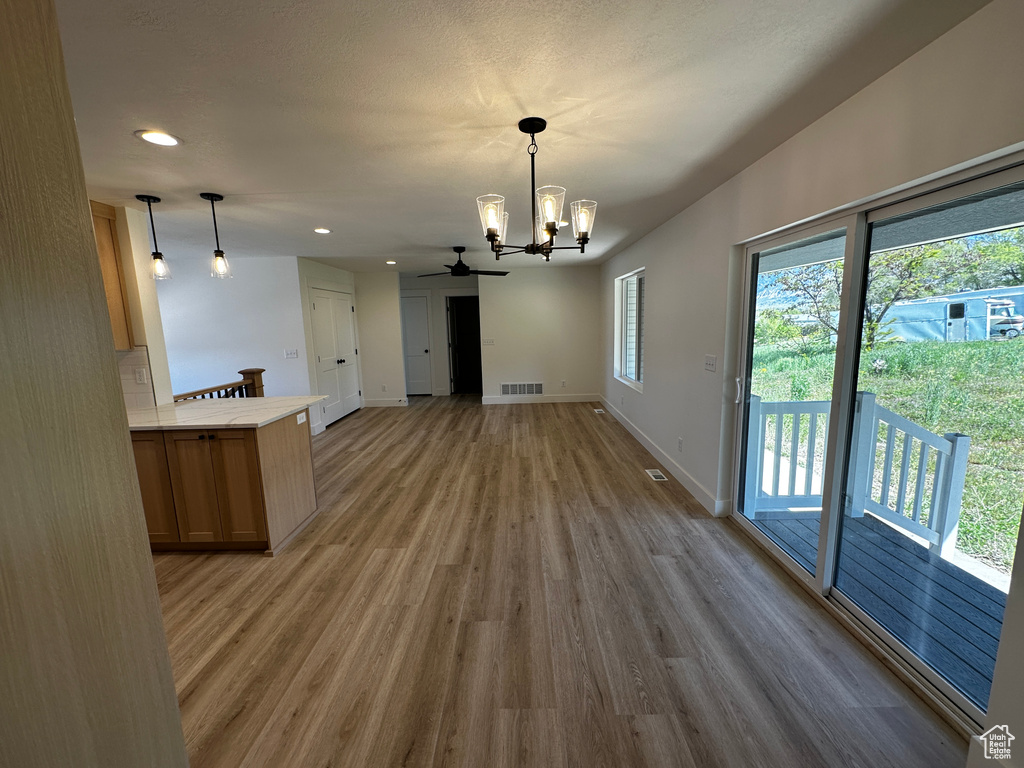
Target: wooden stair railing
[(250, 386)]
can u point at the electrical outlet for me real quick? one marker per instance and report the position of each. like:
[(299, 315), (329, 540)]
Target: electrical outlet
[(383, 387), (301, 418), (291, 354), (679, 445), (141, 376), (710, 363), (563, 382)]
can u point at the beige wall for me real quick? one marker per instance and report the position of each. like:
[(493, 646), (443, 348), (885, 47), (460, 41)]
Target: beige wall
[(545, 323), (85, 678), (147, 326), (378, 316)]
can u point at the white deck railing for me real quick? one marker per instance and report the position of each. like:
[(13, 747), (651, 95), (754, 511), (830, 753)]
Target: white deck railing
[(902, 473)]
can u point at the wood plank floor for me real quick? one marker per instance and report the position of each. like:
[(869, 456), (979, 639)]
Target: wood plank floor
[(504, 586)]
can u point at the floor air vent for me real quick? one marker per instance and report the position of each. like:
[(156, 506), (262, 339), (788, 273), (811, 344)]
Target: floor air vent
[(599, 410), (522, 389), (656, 474)]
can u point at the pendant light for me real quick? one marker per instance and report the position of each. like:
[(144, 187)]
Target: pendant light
[(219, 267), (160, 270)]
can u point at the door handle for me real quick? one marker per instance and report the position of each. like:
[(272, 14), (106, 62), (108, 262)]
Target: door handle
[(341, 362), (426, 351)]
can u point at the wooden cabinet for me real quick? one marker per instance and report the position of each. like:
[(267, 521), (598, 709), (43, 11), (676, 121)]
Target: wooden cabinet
[(105, 226), (215, 481), (155, 484)]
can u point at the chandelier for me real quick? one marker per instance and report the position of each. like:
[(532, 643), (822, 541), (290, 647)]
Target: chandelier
[(547, 211)]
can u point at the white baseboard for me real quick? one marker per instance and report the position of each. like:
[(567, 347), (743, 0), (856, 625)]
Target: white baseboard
[(515, 399), (392, 403), (703, 495)]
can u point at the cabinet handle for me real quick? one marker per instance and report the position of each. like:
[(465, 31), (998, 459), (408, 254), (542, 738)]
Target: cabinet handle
[(213, 437), (202, 437)]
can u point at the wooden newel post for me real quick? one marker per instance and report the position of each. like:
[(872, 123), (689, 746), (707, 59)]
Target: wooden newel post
[(254, 384)]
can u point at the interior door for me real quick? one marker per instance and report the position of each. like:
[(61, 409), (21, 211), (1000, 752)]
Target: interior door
[(416, 344), (348, 369), (337, 373)]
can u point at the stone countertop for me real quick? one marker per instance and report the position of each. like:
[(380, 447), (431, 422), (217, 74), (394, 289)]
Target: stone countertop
[(219, 413)]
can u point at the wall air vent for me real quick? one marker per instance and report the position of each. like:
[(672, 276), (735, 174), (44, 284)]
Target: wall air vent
[(656, 474), (522, 389), (599, 410)]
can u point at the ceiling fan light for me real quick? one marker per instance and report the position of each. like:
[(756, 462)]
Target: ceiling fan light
[(583, 214), (550, 200), (491, 207), (160, 270), (219, 267)]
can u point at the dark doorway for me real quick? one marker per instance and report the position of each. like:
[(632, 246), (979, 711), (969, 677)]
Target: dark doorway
[(464, 345)]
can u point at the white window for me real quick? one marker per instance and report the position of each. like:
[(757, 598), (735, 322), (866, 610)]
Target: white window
[(630, 330)]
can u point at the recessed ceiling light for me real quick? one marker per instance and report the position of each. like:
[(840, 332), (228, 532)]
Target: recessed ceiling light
[(389, 261), (158, 137), (322, 231)]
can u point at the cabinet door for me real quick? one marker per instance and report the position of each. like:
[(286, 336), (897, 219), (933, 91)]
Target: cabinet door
[(155, 484), (239, 492), (192, 481), (105, 229)]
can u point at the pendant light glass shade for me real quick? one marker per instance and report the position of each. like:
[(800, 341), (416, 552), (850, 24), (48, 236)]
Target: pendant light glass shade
[(159, 269), (219, 267), (504, 227), (492, 209), (583, 213), (549, 205)]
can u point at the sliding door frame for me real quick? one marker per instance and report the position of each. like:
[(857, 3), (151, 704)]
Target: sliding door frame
[(856, 218)]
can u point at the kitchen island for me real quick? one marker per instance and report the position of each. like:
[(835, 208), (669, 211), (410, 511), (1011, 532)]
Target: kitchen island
[(225, 473)]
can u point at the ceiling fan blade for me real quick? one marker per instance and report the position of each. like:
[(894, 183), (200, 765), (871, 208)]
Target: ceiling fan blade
[(434, 274), (487, 272), (450, 266)]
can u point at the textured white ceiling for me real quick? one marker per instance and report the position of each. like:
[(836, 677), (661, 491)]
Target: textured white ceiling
[(385, 120)]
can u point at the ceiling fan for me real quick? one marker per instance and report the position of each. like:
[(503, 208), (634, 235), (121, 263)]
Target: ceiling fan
[(461, 268)]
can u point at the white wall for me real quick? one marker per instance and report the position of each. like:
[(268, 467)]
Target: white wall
[(958, 99), (214, 328), (546, 326), (379, 318), (143, 303), (438, 289)]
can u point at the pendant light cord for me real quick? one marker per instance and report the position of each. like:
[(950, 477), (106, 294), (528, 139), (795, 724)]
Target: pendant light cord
[(532, 149), (215, 235), (152, 226)]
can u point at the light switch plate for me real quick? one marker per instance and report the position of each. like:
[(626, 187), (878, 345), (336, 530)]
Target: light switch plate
[(291, 354), (710, 363), (301, 418), (488, 342)]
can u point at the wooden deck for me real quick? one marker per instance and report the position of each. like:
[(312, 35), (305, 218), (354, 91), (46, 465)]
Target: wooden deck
[(948, 617)]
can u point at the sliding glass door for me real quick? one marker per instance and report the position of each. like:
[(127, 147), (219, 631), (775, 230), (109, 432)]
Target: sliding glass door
[(790, 359), (882, 426), (935, 481)]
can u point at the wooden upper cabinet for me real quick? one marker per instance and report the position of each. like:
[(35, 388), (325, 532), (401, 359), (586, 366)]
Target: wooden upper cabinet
[(155, 484), (105, 225)]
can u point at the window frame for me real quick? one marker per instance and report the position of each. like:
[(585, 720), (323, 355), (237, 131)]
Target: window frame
[(622, 329)]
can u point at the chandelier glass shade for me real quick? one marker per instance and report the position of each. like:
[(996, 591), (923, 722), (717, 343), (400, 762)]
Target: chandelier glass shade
[(547, 203)]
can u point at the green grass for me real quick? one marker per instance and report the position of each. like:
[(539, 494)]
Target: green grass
[(968, 387)]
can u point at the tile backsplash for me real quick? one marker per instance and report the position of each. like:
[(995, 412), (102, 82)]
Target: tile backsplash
[(133, 366)]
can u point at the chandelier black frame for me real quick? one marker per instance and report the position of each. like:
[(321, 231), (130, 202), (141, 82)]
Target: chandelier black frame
[(495, 220)]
